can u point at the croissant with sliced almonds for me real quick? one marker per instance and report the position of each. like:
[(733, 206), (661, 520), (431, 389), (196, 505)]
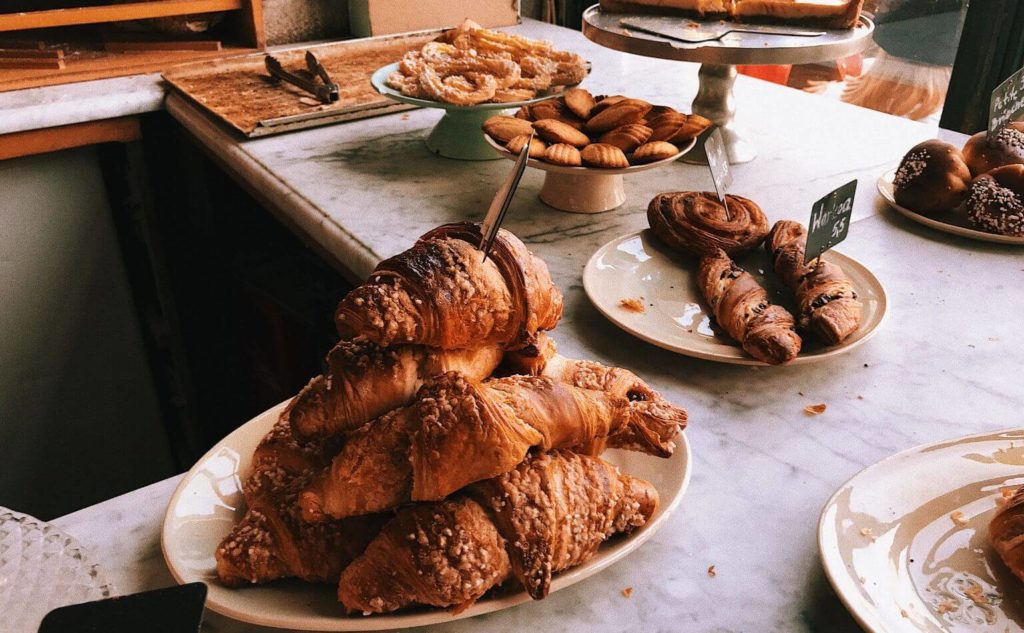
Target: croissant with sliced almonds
[(442, 293), (271, 541), (364, 381), (1006, 532), (458, 432), (549, 514)]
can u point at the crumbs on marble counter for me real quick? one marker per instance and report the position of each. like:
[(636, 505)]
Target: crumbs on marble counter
[(974, 592), (903, 612), (627, 592), (948, 605), (866, 531), (815, 409), (958, 518), (711, 571)]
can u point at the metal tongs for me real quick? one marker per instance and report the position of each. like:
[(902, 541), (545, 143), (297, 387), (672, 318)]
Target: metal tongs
[(499, 205), (326, 92)]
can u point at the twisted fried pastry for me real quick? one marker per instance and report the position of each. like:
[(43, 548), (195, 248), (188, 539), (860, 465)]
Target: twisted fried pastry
[(696, 223), (1006, 533), (550, 513), (740, 307), (441, 293), (457, 432), (826, 300), (364, 381)]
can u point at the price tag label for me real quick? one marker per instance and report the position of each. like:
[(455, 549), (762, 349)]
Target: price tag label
[(718, 162), (830, 221), (1007, 102)]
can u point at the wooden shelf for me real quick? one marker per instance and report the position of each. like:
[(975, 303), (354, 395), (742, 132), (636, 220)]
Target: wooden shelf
[(112, 13)]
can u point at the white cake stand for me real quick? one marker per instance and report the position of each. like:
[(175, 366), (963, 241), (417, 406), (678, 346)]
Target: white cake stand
[(757, 44)]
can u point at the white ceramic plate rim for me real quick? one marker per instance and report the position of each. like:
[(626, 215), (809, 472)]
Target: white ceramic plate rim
[(587, 171), (379, 77), (621, 549), (835, 570), (885, 188), (740, 358)]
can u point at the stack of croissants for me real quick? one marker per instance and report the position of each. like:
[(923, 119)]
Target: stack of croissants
[(697, 224), (448, 448)]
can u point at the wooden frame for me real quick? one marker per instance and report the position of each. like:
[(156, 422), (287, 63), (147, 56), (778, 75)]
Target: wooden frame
[(52, 139), (112, 13), (244, 24)]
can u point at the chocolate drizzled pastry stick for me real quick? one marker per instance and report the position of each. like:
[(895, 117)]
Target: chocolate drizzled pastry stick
[(827, 302), (741, 308)]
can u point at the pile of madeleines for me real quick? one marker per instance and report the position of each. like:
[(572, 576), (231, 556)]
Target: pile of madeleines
[(606, 132), (984, 181)]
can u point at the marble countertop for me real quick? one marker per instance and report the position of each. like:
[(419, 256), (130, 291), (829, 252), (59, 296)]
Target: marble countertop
[(945, 364)]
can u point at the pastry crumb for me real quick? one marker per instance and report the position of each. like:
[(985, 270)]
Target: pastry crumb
[(633, 304), (815, 409), (903, 612), (948, 605), (974, 593), (711, 571), (627, 592), (958, 518), (866, 531)]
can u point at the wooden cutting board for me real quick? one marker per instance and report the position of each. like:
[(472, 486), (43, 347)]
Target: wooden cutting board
[(239, 92)]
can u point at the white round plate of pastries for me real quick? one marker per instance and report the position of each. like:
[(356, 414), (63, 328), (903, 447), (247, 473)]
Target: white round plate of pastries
[(640, 285), (954, 222), (208, 502), (905, 541)]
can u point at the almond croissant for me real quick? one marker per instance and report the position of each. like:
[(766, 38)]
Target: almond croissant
[(550, 513), (443, 294), (458, 432), (364, 381), (272, 541)]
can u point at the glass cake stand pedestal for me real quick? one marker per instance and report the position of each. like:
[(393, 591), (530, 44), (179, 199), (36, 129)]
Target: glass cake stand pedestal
[(719, 46)]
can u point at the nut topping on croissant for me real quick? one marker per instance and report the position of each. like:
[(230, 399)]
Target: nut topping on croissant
[(441, 293), (486, 428), (550, 513)]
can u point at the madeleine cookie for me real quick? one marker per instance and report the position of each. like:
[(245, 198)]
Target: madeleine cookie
[(603, 103), (604, 155), (654, 151), (550, 109), (537, 146), (554, 131), (622, 113), (504, 128), (580, 102), (563, 154), (694, 127), (628, 137)]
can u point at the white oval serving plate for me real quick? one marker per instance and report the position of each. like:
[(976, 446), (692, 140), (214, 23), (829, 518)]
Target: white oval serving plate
[(947, 222), (208, 502), (676, 318), (904, 542)]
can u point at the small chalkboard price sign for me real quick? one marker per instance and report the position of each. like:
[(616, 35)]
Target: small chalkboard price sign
[(830, 221), (718, 162), (1007, 102)]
